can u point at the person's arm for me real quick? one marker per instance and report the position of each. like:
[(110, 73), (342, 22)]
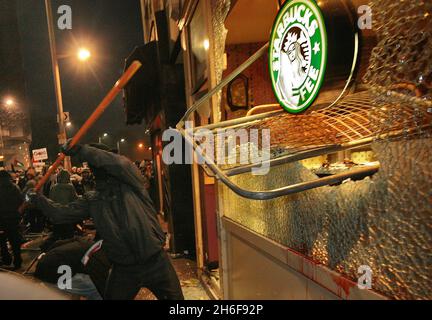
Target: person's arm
[(116, 165), (19, 199), (59, 214), (51, 193), (73, 193)]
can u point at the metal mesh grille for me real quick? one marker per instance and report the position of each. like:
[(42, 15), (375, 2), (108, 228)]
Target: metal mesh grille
[(344, 122), (358, 116)]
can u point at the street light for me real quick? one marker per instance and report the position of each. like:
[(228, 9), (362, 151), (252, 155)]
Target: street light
[(103, 136), (9, 102), (118, 144), (68, 124), (83, 54)]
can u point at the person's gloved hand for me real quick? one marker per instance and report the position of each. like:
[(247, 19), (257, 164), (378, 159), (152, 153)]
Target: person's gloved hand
[(31, 196), (67, 150)]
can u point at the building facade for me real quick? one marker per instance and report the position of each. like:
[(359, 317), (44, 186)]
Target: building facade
[(15, 130)]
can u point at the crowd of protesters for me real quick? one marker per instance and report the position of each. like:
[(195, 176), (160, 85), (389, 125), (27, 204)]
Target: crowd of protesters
[(65, 193), (63, 187)]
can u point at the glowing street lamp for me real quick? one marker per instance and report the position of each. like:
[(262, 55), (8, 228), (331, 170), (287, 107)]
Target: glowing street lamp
[(103, 136), (141, 145), (68, 124), (9, 102), (118, 144), (83, 54)]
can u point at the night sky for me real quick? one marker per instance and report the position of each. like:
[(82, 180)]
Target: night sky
[(110, 29)]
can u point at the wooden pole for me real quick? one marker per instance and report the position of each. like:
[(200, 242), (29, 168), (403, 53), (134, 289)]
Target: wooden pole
[(124, 79)]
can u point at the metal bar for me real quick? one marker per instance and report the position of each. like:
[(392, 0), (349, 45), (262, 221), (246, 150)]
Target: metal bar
[(303, 186), (222, 84), (57, 82), (2, 142), (285, 159), (300, 156), (32, 263), (238, 121), (353, 66), (319, 151), (100, 109), (272, 106), (274, 193)]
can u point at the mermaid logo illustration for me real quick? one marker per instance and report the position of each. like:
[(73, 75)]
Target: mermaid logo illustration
[(298, 54), (294, 64)]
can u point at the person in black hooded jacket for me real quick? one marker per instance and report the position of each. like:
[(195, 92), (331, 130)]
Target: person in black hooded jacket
[(10, 201), (63, 192), (125, 220)]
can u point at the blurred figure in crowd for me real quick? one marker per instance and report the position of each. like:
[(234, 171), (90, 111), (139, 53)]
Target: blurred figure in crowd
[(10, 200), (51, 181), (33, 217), (29, 175), (87, 182), (64, 193), (76, 180)]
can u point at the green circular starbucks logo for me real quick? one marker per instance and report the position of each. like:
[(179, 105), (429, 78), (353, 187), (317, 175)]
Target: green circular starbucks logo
[(298, 54)]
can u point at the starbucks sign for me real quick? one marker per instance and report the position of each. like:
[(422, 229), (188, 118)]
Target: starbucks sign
[(298, 54)]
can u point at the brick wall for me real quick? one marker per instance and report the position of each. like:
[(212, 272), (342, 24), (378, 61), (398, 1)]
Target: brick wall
[(260, 90)]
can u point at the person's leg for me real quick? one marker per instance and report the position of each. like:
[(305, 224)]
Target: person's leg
[(40, 221), (165, 284), (12, 233), (5, 255), (63, 231), (123, 283), (32, 220), (82, 285)]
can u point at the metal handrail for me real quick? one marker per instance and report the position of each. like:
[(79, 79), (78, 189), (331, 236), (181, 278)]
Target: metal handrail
[(222, 84), (278, 192), (296, 157)]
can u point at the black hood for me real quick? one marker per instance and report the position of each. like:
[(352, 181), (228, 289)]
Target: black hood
[(63, 177), (99, 173), (5, 177)]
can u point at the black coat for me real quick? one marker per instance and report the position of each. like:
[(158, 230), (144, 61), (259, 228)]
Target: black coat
[(10, 200), (64, 252), (121, 209)]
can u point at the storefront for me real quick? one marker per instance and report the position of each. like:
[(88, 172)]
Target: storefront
[(344, 209)]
